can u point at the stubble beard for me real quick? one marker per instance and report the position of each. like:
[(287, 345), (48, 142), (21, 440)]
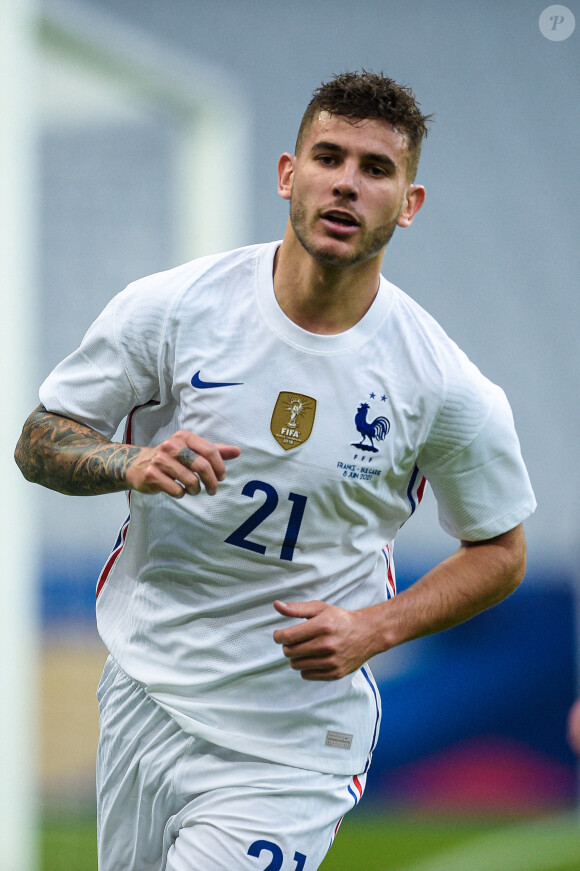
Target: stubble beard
[(369, 246)]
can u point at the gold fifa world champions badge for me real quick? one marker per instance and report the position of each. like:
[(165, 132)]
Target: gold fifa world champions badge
[(292, 419)]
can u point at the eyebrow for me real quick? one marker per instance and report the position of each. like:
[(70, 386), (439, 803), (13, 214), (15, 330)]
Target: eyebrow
[(371, 156)]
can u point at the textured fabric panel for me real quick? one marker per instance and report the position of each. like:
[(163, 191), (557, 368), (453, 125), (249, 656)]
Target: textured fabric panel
[(481, 488)]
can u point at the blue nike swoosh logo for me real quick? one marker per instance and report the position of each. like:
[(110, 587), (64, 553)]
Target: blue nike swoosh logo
[(204, 385)]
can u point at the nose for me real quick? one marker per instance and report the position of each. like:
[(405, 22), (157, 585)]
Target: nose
[(346, 182)]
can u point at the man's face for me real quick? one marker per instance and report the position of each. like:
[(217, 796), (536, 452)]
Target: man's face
[(348, 189)]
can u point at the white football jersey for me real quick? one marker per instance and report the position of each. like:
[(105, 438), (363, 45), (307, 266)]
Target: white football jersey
[(338, 434)]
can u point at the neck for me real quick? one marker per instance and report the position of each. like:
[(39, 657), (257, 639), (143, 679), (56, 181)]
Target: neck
[(320, 298)]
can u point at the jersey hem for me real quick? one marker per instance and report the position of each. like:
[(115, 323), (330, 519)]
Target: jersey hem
[(249, 745)]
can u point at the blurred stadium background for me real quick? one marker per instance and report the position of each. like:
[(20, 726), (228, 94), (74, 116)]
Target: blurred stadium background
[(152, 135)]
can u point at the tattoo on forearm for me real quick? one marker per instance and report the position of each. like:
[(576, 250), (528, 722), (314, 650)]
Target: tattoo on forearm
[(103, 470), (67, 456)]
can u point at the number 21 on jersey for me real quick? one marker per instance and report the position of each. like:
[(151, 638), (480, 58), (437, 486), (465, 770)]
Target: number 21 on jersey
[(240, 536)]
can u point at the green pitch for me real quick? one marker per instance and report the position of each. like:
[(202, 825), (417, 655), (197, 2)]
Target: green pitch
[(389, 843), (394, 843)]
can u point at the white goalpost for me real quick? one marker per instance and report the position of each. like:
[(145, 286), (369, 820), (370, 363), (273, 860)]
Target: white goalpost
[(211, 194), (18, 334), (212, 144)]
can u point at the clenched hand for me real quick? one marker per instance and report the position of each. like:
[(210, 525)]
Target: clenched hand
[(179, 465), (328, 644)]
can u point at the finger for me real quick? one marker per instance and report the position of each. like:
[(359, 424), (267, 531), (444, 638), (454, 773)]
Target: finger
[(208, 460), (294, 635), (206, 475), (201, 458), (309, 659), (316, 648), (228, 452), (203, 463), (159, 475), (170, 486), (186, 457), (214, 453), (313, 669), (176, 475), (299, 632), (299, 609)]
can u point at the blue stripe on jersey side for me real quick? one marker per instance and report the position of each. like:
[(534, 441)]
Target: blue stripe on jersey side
[(113, 556), (120, 536), (386, 558), (390, 592), (375, 735), (411, 487), (354, 795)]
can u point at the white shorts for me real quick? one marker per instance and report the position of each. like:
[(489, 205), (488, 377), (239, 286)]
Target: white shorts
[(168, 801)]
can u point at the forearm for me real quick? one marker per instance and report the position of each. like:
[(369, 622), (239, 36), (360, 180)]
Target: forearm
[(69, 457), (72, 458), (474, 578), (331, 642)]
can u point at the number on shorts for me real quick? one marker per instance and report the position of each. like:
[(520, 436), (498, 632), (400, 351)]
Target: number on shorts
[(300, 859), (258, 847)]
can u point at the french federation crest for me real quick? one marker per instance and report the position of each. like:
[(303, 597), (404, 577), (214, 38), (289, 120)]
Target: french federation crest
[(369, 429), (292, 419)]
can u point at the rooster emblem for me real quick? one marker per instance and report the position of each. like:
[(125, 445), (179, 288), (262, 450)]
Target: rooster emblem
[(370, 430)]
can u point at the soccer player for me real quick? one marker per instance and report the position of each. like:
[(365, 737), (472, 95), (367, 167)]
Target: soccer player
[(238, 711)]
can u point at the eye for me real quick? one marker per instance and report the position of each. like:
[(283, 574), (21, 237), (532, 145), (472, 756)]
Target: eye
[(326, 159), (377, 171)]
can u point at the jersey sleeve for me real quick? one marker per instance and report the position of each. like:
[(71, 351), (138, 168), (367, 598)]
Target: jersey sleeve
[(117, 366), (473, 460)]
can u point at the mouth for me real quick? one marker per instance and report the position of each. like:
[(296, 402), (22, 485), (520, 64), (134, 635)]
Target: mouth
[(339, 223), (341, 218)]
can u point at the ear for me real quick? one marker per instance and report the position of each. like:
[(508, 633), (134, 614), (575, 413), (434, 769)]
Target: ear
[(414, 199), (286, 175)]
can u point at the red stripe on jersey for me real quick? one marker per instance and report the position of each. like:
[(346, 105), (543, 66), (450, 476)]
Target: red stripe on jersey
[(421, 489), (358, 785), (390, 578), (129, 425), (107, 568)]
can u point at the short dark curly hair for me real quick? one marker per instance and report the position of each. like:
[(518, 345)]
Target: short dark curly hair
[(370, 95)]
